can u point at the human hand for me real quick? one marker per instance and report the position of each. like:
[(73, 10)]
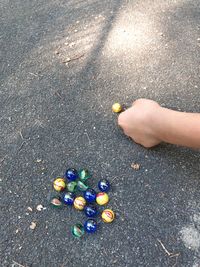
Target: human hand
[(140, 122)]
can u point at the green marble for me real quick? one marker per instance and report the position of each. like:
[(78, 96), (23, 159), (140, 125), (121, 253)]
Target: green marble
[(81, 186), (54, 199), (78, 230), (84, 175), (71, 187)]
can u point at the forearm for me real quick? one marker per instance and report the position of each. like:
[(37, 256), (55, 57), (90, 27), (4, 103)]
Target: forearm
[(179, 128)]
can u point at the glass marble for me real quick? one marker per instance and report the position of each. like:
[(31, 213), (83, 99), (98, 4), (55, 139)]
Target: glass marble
[(90, 211), (71, 187), (84, 175), (117, 108), (59, 184), (81, 186), (108, 216), (54, 198), (90, 195), (104, 185), (56, 203), (79, 203), (68, 198), (71, 174), (90, 226), (102, 198), (78, 230)]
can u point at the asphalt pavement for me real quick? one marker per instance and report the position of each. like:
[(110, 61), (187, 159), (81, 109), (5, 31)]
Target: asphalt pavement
[(63, 65)]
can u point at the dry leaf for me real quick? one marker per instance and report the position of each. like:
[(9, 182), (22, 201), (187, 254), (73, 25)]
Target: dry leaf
[(135, 166), (39, 207), (30, 209), (33, 225)]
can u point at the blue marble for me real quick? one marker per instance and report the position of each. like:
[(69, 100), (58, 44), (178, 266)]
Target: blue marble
[(90, 211), (104, 185), (68, 198), (90, 195), (90, 226), (71, 174)]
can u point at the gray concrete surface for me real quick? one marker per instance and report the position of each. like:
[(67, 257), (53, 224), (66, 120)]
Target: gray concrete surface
[(61, 113)]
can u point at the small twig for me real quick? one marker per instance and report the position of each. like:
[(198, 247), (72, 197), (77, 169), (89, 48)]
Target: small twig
[(20, 133), (177, 255), (168, 253), (88, 138), (16, 263), (21, 146), (73, 58), (33, 74), (76, 57), (57, 93)]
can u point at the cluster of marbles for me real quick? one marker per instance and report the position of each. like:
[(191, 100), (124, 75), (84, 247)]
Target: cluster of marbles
[(73, 190)]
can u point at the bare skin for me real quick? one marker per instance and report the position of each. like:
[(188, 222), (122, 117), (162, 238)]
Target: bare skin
[(149, 124)]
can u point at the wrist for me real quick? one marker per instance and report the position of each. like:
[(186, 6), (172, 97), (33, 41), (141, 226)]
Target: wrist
[(160, 124), (178, 128)]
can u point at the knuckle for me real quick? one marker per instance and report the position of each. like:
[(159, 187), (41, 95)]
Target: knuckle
[(138, 101)]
